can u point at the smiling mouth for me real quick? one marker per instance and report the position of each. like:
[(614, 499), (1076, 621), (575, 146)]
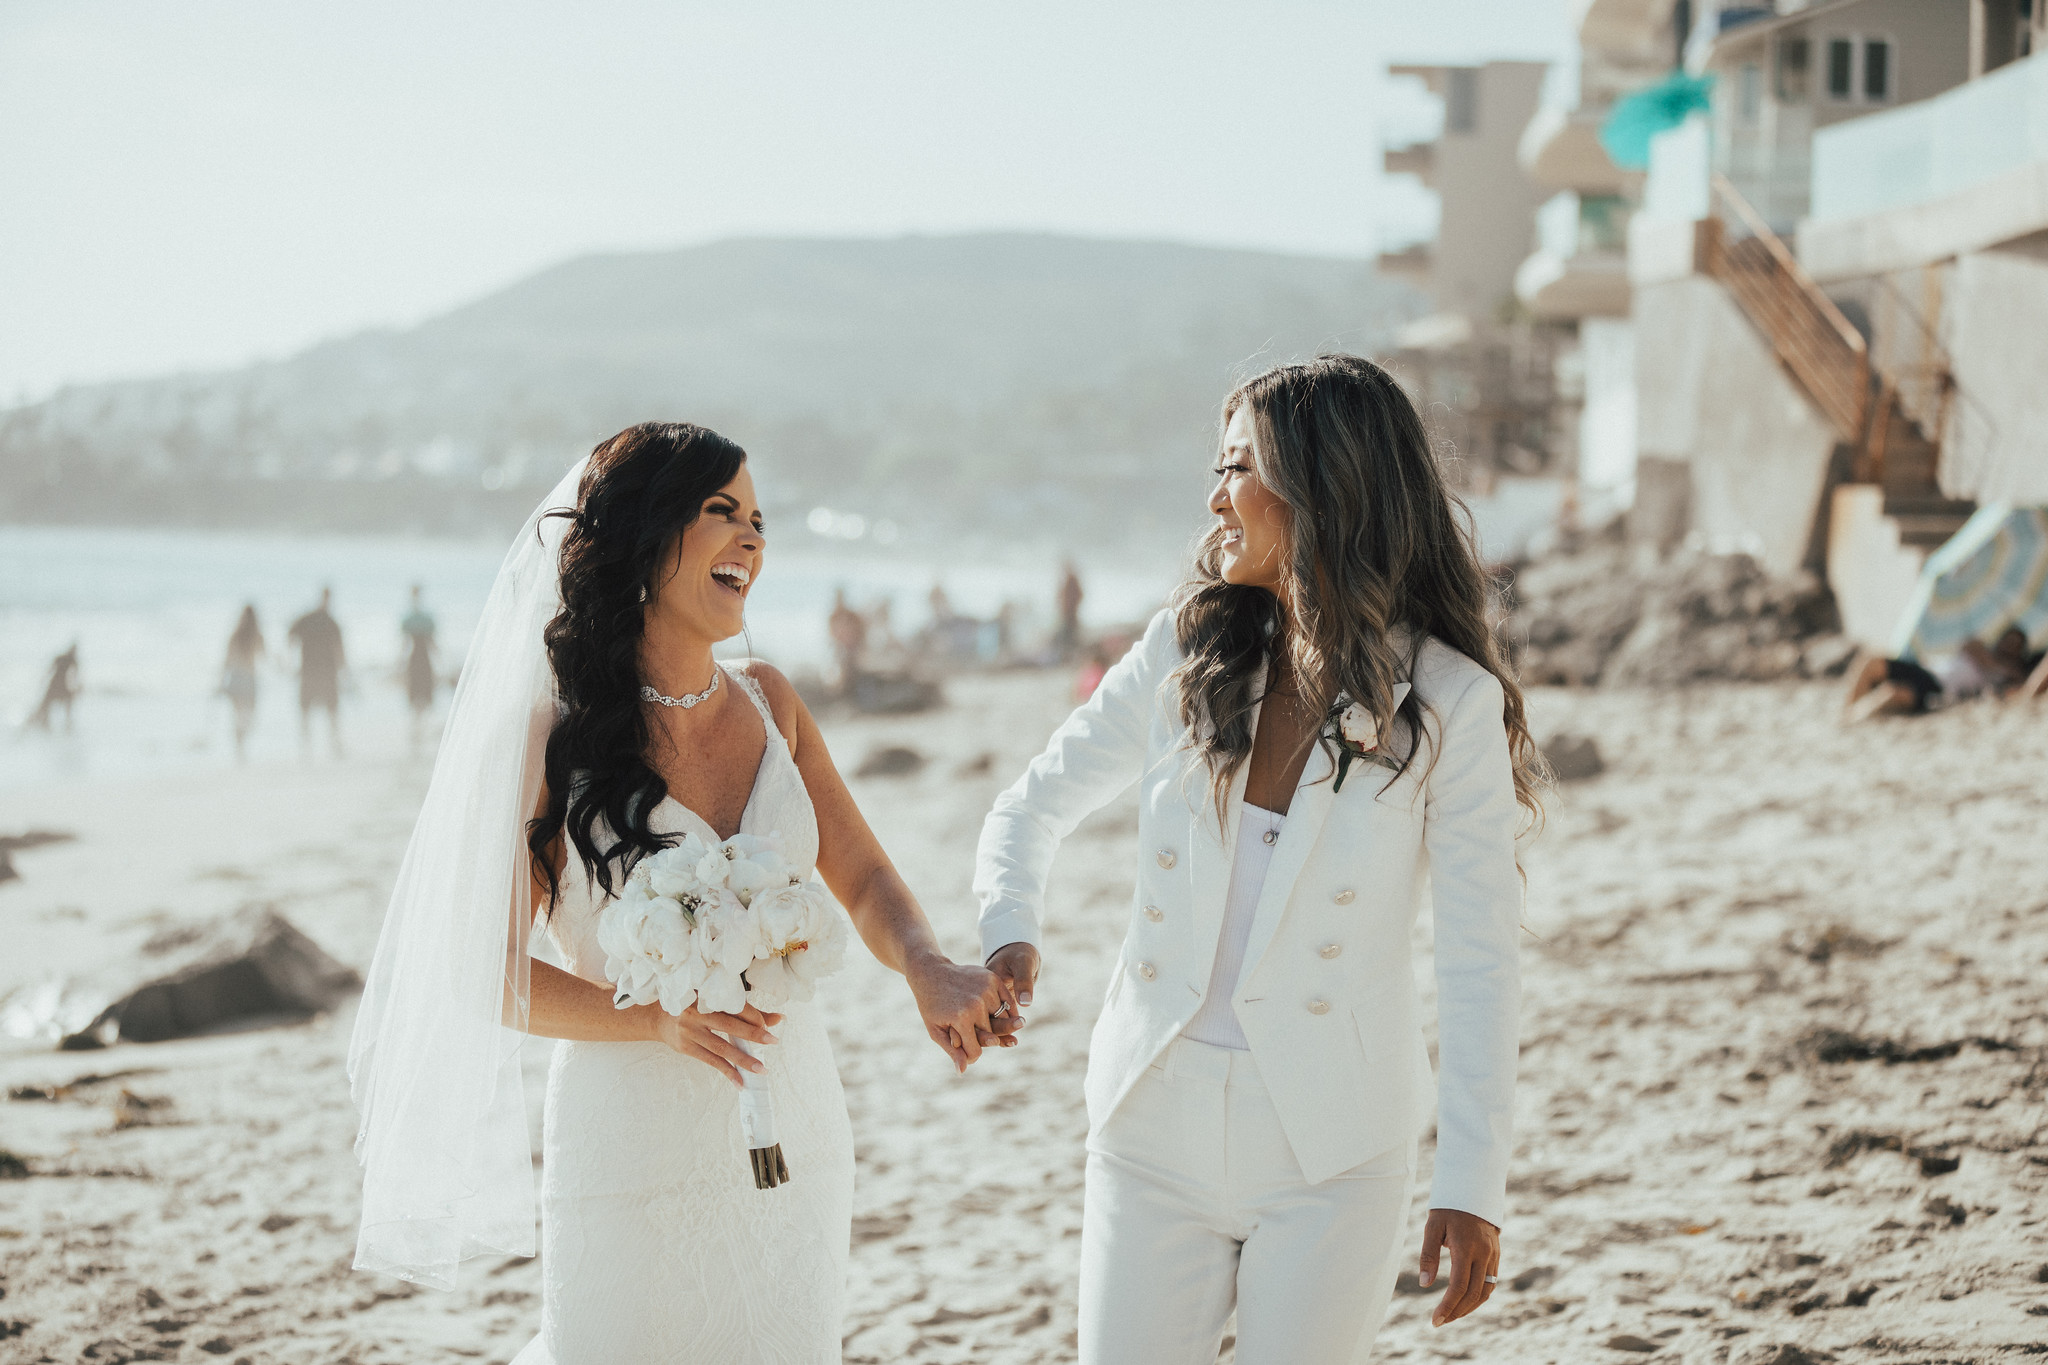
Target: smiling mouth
[(734, 578), (1233, 536)]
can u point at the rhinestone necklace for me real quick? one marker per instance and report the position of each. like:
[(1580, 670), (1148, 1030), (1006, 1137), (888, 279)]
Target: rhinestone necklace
[(686, 702)]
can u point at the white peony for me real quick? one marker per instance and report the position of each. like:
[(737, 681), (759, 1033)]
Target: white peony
[(728, 940), (825, 929), (805, 937), (673, 871), (771, 984), (719, 925), (782, 913), (712, 866), (748, 877), (1358, 727), (721, 992), (649, 953)]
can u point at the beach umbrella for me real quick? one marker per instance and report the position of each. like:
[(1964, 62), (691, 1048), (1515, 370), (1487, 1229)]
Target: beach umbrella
[(1991, 574)]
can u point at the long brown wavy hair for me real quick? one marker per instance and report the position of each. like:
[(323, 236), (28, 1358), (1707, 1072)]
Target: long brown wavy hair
[(1381, 557), (641, 490)]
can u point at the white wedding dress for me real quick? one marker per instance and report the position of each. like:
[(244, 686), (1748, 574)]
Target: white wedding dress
[(656, 1249)]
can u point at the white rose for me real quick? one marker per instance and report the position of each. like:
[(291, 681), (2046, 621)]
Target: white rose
[(1358, 727)]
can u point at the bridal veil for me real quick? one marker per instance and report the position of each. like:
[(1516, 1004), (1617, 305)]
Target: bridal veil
[(434, 1063)]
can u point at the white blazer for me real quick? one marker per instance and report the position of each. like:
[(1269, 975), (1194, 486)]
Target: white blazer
[(1327, 995)]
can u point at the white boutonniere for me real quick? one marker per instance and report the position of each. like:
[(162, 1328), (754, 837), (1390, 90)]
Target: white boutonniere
[(1356, 732)]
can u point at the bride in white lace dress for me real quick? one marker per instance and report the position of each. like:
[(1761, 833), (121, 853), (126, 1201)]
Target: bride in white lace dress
[(619, 735)]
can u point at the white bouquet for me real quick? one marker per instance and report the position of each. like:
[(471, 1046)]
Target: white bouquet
[(720, 926)]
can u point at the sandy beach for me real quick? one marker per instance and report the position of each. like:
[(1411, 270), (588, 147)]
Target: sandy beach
[(1784, 1060)]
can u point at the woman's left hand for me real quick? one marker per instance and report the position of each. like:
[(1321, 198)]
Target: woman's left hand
[(958, 1004), (1475, 1261)]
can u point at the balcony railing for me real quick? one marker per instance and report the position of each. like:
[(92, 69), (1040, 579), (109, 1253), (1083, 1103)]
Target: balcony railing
[(1934, 148)]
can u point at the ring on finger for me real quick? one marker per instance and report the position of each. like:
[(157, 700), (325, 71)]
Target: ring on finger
[(1493, 1279), (1001, 1010)]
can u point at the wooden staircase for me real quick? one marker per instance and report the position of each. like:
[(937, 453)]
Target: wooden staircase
[(1899, 456), (1829, 359)]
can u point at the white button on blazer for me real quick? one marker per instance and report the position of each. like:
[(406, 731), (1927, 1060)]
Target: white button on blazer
[(1347, 1068)]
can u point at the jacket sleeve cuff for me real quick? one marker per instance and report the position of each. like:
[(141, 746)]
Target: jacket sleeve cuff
[(1000, 928), (1448, 1192)]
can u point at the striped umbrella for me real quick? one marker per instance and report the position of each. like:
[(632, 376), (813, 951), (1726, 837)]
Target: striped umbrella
[(1991, 574)]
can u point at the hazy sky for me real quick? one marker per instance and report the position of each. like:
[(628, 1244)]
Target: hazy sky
[(209, 181)]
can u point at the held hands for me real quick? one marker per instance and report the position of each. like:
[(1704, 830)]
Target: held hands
[(706, 1036), (959, 1006), (1475, 1261), (1016, 967)]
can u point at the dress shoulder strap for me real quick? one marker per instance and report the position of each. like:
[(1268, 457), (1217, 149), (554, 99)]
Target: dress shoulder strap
[(755, 695)]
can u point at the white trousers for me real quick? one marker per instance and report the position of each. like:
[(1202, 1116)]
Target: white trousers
[(1195, 1205)]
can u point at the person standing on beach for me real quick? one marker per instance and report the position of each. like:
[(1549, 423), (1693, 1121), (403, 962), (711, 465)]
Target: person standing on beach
[(418, 629), (594, 730), (61, 690), (1068, 637), (238, 677), (321, 659), (849, 631), (1326, 736)]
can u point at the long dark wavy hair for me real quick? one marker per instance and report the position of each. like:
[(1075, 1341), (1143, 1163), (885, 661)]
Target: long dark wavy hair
[(641, 489), (1380, 558)]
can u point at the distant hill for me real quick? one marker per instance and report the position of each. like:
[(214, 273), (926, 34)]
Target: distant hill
[(1006, 379)]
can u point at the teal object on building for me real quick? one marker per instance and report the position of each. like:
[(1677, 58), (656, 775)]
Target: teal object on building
[(1636, 119)]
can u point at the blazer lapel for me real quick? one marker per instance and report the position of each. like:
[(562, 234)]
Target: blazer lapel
[(1306, 815), (1213, 853)]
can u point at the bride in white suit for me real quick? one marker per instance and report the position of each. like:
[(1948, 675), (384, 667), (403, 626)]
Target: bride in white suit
[(1326, 739)]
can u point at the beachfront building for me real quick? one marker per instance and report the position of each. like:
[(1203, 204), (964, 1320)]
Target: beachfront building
[(1782, 78), (1577, 276), (1484, 375), (1932, 219), (1799, 305), (1469, 268)]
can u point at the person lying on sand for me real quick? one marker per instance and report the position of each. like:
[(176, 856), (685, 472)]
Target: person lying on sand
[(1905, 687)]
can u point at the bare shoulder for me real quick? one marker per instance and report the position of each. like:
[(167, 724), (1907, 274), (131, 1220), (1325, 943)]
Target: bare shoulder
[(783, 702)]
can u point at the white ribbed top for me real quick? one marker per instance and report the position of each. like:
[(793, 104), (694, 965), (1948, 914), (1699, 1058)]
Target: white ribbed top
[(1215, 1023)]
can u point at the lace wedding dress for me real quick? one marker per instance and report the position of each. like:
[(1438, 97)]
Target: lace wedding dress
[(655, 1246)]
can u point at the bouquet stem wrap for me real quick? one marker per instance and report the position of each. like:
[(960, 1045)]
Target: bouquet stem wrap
[(757, 1124)]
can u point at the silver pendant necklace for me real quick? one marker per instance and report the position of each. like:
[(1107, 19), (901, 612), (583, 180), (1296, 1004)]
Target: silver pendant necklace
[(686, 702)]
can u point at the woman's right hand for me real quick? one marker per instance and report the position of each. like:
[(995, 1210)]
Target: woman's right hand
[(707, 1037), (1016, 966)]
